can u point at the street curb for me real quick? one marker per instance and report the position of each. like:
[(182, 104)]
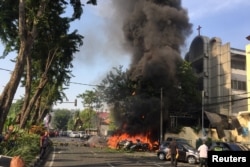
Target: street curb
[(37, 162)]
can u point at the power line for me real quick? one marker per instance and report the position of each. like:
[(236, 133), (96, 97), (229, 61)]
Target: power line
[(78, 83), (3, 69), (227, 101)]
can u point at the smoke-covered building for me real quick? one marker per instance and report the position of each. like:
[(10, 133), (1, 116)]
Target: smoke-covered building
[(222, 73)]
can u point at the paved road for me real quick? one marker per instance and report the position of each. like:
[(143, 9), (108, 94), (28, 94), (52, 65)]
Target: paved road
[(75, 155)]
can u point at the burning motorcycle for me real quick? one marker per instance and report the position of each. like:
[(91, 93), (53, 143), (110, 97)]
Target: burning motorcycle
[(124, 144), (139, 146), (128, 145), (120, 144)]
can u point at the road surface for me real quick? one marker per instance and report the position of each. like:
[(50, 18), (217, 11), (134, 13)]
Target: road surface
[(77, 155)]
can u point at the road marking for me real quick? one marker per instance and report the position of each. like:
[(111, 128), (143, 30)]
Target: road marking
[(157, 165), (109, 164), (53, 158)]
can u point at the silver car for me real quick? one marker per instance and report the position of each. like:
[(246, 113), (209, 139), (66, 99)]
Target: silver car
[(187, 153)]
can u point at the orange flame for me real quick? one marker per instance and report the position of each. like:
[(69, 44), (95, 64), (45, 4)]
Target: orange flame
[(113, 140)]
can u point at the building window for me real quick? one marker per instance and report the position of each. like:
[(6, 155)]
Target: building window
[(238, 85), (238, 65)]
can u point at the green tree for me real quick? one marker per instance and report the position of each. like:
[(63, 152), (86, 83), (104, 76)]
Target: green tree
[(15, 108), (52, 59), (91, 99), (29, 28), (61, 118), (136, 104), (187, 97), (88, 117), (92, 102), (116, 86), (17, 36), (117, 91), (70, 124)]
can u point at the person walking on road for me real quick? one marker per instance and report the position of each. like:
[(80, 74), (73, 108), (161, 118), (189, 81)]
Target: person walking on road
[(173, 152), (203, 149)]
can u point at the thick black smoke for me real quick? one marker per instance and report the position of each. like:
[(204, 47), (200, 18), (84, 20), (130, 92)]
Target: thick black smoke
[(154, 31)]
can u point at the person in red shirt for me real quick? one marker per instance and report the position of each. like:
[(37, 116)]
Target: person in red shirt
[(43, 145)]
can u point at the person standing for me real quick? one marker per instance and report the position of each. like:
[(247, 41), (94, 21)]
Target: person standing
[(44, 142), (173, 152), (203, 149)]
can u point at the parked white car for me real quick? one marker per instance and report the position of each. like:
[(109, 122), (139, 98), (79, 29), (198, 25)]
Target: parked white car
[(68, 132), (82, 134), (74, 134)]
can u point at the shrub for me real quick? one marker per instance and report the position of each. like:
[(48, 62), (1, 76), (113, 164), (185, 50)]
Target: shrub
[(21, 143)]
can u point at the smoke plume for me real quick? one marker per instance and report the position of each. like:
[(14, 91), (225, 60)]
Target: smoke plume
[(154, 31)]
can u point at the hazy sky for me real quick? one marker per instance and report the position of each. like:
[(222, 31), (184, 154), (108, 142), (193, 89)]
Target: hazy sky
[(103, 42)]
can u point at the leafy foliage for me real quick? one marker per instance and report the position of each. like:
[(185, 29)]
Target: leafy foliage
[(61, 118), (187, 97), (24, 144), (91, 99), (116, 86), (88, 117), (135, 105), (40, 32)]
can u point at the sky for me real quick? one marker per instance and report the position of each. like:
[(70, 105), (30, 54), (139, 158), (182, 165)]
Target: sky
[(103, 41)]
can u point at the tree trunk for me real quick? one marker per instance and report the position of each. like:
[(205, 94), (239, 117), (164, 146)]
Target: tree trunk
[(11, 87), (26, 42), (33, 100), (35, 114), (37, 94), (42, 113), (27, 86)]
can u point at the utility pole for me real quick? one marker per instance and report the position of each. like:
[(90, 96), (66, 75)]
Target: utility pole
[(202, 115), (161, 118)]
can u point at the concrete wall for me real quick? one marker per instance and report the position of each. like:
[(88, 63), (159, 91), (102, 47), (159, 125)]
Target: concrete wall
[(230, 135), (187, 133)]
